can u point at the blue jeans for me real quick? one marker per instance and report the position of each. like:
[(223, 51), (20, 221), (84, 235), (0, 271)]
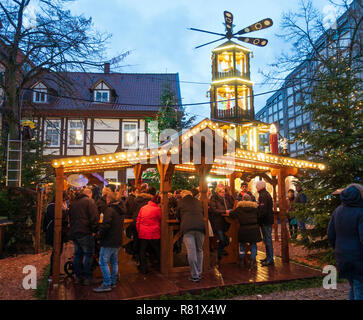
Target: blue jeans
[(223, 242), (242, 250), (83, 247), (356, 290), (267, 239), (193, 241), (109, 255)]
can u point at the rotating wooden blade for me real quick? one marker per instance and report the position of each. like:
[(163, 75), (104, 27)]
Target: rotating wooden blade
[(263, 24), (209, 43), (218, 34), (260, 42), (228, 19)]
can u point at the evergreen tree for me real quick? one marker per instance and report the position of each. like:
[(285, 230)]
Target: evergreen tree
[(333, 97), (171, 115)]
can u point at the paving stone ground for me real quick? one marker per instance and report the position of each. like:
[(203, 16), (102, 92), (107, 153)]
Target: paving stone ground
[(11, 275), (341, 293)]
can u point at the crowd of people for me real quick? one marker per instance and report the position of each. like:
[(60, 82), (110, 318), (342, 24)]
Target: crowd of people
[(94, 216)]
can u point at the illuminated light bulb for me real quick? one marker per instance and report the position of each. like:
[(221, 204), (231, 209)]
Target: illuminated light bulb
[(55, 163), (63, 163)]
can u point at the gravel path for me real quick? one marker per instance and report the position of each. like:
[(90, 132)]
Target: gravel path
[(341, 293), (11, 275)]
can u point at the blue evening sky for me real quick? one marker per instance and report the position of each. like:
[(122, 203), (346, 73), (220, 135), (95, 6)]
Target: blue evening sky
[(156, 32)]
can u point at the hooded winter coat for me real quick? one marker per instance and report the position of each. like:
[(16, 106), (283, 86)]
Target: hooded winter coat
[(345, 232), (247, 215), (83, 216), (148, 221), (191, 215), (141, 200), (110, 230)]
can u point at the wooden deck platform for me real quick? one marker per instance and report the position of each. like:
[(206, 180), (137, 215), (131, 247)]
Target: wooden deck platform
[(154, 284)]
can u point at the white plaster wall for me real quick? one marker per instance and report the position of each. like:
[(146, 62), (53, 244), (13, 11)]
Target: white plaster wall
[(105, 137), (74, 152), (107, 124), (111, 175), (130, 174), (51, 152), (101, 149)]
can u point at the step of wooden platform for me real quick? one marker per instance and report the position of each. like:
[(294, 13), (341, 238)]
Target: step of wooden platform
[(154, 284)]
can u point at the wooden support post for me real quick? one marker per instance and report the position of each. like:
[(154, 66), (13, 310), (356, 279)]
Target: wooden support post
[(274, 195), (166, 169), (39, 218), (1, 241), (281, 176), (203, 171), (59, 184), (138, 173)]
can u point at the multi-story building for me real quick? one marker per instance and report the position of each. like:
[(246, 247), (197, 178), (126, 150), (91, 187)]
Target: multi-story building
[(283, 108), (96, 113)]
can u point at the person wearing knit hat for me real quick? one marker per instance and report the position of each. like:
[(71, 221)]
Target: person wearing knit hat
[(345, 233), (260, 185), (266, 217)]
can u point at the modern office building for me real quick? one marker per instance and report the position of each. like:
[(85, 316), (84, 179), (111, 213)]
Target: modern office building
[(283, 108)]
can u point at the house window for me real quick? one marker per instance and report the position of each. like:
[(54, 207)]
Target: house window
[(75, 133), (102, 96), (52, 133), (40, 93), (281, 114), (129, 135)]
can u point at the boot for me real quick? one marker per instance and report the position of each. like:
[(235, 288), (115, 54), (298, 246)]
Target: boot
[(253, 264), (241, 263)]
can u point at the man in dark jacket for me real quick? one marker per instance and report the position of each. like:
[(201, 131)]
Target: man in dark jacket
[(83, 226), (345, 232), (110, 235), (190, 213), (219, 206), (266, 215), (130, 202)]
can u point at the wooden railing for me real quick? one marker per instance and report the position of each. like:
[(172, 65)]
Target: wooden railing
[(230, 74), (234, 113)]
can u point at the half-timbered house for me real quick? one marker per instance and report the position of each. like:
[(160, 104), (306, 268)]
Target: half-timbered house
[(96, 113)]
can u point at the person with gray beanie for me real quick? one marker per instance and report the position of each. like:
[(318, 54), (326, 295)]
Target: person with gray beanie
[(266, 220)]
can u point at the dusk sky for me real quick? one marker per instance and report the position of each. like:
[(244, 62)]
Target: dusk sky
[(157, 33)]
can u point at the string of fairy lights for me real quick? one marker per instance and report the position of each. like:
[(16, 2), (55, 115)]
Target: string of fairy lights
[(238, 160)]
